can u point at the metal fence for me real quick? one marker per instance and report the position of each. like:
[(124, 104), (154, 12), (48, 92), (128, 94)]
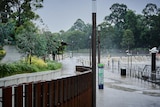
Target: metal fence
[(74, 91), (136, 70)]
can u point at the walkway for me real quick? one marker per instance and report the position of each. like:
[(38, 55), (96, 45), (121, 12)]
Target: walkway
[(119, 91), (11, 55)]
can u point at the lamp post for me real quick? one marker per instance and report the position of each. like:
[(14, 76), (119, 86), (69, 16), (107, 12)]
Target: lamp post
[(129, 65), (0, 17), (99, 30), (72, 48), (93, 53), (90, 60)]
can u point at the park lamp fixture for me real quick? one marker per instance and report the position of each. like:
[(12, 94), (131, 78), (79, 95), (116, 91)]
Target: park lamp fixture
[(153, 50), (99, 28)]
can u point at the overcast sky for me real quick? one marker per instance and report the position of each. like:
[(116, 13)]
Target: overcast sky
[(61, 14)]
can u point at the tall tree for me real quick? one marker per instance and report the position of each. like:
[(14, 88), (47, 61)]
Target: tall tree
[(5, 9), (76, 39), (152, 15), (107, 36), (128, 39), (19, 10), (117, 16), (23, 10), (78, 25), (133, 22), (6, 31), (53, 43)]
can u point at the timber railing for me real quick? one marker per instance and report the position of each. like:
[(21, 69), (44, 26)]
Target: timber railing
[(73, 91)]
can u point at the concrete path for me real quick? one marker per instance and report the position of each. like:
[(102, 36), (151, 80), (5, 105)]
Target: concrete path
[(12, 54), (119, 91)]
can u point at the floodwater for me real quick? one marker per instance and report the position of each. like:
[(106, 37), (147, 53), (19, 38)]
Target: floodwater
[(110, 97), (118, 91)]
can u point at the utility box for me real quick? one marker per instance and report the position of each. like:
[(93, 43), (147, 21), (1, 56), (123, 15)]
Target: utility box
[(100, 76)]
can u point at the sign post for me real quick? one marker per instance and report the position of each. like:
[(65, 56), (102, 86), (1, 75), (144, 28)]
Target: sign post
[(100, 76)]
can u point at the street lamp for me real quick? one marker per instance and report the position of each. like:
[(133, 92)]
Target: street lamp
[(99, 30), (72, 48), (90, 51), (0, 17), (129, 66), (94, 53)]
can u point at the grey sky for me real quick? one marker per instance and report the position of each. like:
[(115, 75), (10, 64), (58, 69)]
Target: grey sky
[(61, 14)]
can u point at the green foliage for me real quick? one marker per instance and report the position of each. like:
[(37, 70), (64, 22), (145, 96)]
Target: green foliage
[(78, 25), (27, 26), (20, 67), (16, 68), (39, 63), (52, 42), (20, 10), (29, 41), (52, 65), (76, 39), (6, 32), (145, 27), (2, 53), (128, 39), (118, 14)]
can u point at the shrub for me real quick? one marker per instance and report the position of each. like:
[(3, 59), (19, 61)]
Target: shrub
[(52, 65), (23, 67), (26, 68), (16, 68), (35, 61), (2, 54)]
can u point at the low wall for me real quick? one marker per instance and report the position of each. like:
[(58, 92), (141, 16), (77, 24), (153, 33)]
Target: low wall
[(29, 77)]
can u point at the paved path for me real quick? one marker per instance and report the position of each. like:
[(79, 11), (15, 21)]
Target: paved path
[(126, 92), (119, 91), (12, 54)]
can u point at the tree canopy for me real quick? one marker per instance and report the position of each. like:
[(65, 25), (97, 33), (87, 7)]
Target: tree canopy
[(122, 28)]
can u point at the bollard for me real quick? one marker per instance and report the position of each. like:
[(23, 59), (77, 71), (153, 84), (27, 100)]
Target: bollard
[(123, 72), (153, 51), (153, 66), (100, 76)]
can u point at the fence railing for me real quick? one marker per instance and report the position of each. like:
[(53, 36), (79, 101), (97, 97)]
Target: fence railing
[(74, 91)]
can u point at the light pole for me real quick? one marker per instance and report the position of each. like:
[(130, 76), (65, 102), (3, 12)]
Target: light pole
[(90, 60), (94, 53), (72, 48), (0, 17), (99, 30)]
